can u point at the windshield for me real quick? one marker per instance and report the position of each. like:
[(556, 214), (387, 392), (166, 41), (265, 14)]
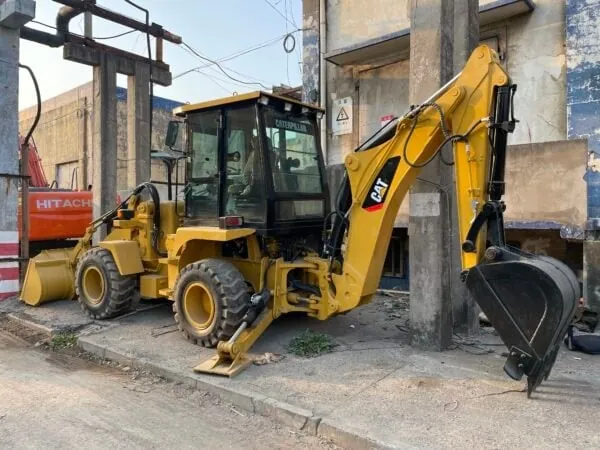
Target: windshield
[(292, 150)]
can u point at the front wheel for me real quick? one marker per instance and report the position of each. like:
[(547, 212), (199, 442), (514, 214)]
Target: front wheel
[(102, 291), (210, 300)]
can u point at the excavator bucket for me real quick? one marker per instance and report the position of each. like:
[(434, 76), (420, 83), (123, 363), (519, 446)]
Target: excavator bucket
[(49, 277), (530, 301)]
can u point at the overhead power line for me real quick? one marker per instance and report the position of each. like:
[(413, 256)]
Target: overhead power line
[(199, 69), (98, 38), (215, 81), (287, 54), (216, 63), (280, 13), (232, 56), (239, 73), (292, 14), (220, 77)]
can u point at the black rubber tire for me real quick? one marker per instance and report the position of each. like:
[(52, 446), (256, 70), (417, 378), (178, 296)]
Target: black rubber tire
[(119, 291), (229, 292)]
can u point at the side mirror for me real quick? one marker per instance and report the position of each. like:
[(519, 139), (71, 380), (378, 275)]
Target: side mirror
[(172, 132)]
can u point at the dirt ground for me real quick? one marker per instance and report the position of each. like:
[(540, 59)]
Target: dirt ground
[(373, 389), (61, 399)]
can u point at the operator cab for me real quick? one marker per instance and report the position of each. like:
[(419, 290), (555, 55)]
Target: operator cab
[(256, 156)]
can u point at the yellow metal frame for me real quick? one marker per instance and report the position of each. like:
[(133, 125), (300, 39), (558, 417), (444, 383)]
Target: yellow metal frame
[(255, 95), (126, 255), (467, 100), (465, 103), (93, 284)]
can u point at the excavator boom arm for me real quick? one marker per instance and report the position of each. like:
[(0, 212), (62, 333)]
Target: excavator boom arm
[(381, 172), (529, 300)]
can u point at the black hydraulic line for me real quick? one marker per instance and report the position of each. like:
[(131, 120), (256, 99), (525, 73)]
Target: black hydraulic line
[(503, 123), (25, 170), (38, 97), (154, 195)]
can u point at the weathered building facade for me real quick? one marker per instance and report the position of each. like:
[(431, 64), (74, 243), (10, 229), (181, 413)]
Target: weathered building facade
[(64, 137), (550, 48)]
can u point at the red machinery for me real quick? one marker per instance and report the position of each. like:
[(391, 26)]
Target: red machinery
[(57, 217)]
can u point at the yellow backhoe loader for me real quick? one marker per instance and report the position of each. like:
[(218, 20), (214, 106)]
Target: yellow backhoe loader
[(254, 238)]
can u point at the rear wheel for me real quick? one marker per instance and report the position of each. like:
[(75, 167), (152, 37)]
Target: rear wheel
[(210, 300), (102, 291)]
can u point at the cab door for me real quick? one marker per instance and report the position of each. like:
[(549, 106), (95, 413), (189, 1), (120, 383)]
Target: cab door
[(244, 191), (203, 189)]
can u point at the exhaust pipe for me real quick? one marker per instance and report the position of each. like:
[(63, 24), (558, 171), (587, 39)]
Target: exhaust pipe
[(63, 18)]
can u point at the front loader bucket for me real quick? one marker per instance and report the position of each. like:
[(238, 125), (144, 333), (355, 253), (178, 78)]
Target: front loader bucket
[(49, 277), (530, 301)]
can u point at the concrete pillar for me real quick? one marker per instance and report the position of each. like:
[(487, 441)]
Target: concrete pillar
[(13, 15), (138, 126), (432, 264), (310, 51), (104, 159)]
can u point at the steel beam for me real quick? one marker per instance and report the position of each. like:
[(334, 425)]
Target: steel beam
[(154, 29), (125, 62)]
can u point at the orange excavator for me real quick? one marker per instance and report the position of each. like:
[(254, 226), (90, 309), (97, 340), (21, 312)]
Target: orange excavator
[(57, 217)]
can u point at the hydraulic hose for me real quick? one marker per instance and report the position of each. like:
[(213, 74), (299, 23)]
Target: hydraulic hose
[(154, 195)]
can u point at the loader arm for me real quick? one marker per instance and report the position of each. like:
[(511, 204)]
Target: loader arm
[(529, 300)]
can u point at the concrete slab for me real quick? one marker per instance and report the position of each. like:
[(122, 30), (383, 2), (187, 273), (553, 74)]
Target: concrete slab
[(373, 390), (16, 13), (60, 317)]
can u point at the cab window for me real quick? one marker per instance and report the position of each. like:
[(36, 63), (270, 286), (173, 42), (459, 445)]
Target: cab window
[(292, 150)]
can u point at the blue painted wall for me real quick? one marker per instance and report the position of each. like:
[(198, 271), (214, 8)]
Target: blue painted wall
[(158, 102), (583, 86)]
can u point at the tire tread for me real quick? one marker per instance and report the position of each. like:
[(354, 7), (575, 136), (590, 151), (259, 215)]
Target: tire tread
[(231, 288)]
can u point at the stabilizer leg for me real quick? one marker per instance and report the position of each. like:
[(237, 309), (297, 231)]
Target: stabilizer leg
[(232, 357)]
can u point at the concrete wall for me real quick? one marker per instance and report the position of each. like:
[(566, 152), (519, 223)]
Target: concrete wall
[(533, 50), (583, 89), (353, 21), (549, 243), (57, 134), (583, 109), (533, 46), (536, 61), (545, 186), (64, 134)]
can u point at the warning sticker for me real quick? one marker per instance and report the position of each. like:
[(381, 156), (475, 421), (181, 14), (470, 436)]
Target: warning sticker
[(342, 116)]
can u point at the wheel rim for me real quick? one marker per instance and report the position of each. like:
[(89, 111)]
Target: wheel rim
[(93, 285), (198, 306)]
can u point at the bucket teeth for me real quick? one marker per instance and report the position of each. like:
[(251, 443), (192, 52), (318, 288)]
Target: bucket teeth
[(530, 301), (543, 373)]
